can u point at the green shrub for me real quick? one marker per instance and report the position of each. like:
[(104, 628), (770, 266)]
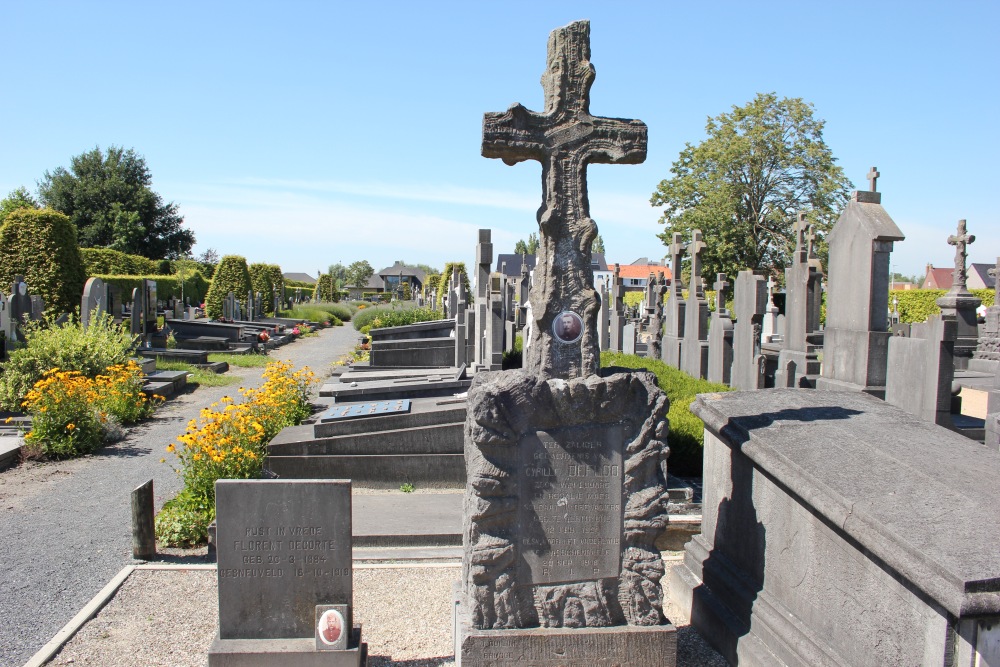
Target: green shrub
[(260, 278), (67, 347), (318, 312), (292, 285), (231, 275), (392, 315), (184, 520), (633, 299), (326, 289), (444, 280), (277, 278), (195, 287), (686, 437), (41, 246), (114, 262)]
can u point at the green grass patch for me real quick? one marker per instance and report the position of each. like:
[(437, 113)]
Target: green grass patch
[(197, 377), (686, 437), (335, 313), (241, 360)]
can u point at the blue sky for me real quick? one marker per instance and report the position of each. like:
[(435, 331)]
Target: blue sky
[(307, 133)]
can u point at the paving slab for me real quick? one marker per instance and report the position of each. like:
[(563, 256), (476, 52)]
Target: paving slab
[(407, 519)]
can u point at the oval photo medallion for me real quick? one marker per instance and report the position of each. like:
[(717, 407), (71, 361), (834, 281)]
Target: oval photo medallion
[(331, 626), (567, 327)]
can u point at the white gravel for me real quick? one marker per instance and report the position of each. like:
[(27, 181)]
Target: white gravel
[(168, 618)]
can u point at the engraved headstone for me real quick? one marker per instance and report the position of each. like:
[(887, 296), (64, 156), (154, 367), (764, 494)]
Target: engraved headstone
[(749, 303), (93, 304), (659, 289), (802, 341), (566, 468), (283, 548), (135, 319), (673, 336), (856, 338), (720, 335), (694, 353)]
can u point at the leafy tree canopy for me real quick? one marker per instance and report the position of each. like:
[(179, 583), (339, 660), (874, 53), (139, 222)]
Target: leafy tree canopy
[(597, 245), (339, 273), (109, 199), (18, 198), (743, 185), (358, 273), (527, 248)]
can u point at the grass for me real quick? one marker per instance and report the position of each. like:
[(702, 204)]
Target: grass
[(197, 377), (686, 438), (240, 360)]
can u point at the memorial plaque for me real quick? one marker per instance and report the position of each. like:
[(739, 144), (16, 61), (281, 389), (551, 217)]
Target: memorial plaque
[(342, 412), (284, 546), (570, 513)]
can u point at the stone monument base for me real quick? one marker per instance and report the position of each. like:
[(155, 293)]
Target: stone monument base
[(803, 374), (293, 652)]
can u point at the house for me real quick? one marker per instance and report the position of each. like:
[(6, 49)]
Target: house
[(980, 278), (375, 285), (937, 278), (510, 266), (635, 275)]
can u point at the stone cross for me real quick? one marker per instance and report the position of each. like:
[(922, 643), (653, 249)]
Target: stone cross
[(961, 241), (811, 239), (873, 179), (800, 232), (565, 138), (694, 249), (721, 285), (677, 249)]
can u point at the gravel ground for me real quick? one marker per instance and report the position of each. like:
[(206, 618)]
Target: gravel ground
[(169, 617), (65, 527)]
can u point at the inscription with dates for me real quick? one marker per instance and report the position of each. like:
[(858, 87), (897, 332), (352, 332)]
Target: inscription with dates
[(570, 507)]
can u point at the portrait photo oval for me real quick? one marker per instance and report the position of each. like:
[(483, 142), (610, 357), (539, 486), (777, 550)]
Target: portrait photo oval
[(331, 626), (567, 327)]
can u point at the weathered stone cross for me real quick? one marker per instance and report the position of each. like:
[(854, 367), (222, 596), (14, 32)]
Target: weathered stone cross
[(565, 138), (721, 285), (960, 241), (677, 249), (873, 178), (811, 238), (694, 249), (800, 233)]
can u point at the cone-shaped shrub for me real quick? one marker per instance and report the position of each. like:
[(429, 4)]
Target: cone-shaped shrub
[(231, 275)]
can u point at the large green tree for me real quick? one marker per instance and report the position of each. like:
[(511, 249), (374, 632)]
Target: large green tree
[(108, 197), (529, 248), (743, 185), (17, 199), (358, 273)]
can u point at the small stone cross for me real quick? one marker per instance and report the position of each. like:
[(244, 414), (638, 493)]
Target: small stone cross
[(873, 179), (694, 249), (677, 249), (961, 241), (811, 238), (800, 232), (565, 138), (721, 285)]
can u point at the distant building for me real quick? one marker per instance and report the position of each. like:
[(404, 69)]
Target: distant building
[(979, 277), (635, 275), (937, 278), (510, 266)]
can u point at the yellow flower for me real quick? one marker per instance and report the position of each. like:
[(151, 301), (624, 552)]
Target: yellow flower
[(171, 447), (8, 420), (70, 427)]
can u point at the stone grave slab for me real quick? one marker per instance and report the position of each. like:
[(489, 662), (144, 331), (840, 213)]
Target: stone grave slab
[(283, 547), (340, 412)]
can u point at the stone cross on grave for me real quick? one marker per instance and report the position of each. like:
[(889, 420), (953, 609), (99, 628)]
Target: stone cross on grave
[(961, 241), (565, 138), (801, 242), (811, 240), (873, 179), (994, 273), (694, 249), (677, 250), (721, 286)]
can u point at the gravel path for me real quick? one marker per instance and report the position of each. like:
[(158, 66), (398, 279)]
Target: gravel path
[(65, 527)]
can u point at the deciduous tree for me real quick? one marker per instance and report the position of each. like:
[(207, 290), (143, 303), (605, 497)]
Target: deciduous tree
[(743, 185)]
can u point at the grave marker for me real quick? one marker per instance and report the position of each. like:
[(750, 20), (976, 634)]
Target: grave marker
[(720, 335), (959, 302), (750, 302), (801, 342), (673, 336), (694, 352)]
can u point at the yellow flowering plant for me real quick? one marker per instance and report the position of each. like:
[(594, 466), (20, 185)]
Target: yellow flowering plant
[(229, 441)]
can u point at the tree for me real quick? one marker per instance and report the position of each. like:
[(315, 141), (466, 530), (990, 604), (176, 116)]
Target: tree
[(339, 273), (597, 245), (17, 199), (108, 198), (743, 185), (358, 273), (529, 248), (232, 275)]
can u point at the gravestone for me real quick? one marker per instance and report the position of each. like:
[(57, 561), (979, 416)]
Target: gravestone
[(856, 339), (523, 286), (617, 323), (484, 259), (93, 304), (136, 319), (283, 549), (694, 353), (986, 358), (801, 343), (5, 329), (769, 326), (628, 338), (673, 335), (750, 303), (960, 303), (559, 559), (251, 313), (148, 308), (461, 323), (720, 336), (493, 331), (604, 320), (921, 368), (20, 307), (229, 307), (654, 350)]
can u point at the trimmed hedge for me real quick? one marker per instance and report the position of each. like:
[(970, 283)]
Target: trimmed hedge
[(392, 315), (231, 275), (445, 279), (40, 244), (277, 279), (686, 437), (307, 289), (326, 291), (98, 261), (260, 278), (916, 305), (195, 287)]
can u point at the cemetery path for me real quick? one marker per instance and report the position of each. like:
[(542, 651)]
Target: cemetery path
[(65, 527)]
